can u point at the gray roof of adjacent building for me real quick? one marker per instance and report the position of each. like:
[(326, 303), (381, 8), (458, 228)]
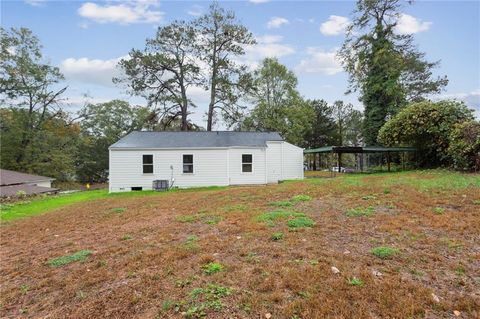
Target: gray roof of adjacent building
[(8, 177), (194, 139)]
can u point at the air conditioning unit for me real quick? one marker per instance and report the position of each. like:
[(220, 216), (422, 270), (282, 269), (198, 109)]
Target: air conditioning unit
[(160, 185)]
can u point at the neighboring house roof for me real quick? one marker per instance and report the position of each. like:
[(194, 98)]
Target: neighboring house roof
[(8, 177), (184, 139), (12, 190)]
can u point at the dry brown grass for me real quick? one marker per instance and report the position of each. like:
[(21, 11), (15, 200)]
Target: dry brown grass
[(145, 275)]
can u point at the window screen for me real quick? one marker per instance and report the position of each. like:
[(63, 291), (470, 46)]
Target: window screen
[(188, 163), (147, 164), (247, 163)]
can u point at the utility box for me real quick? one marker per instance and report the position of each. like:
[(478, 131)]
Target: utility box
[(160, 185)]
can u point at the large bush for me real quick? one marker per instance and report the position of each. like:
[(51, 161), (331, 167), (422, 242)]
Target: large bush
[(427, 126), (464, 148)]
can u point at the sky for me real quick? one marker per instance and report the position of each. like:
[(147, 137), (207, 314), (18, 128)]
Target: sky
[(87, 39)]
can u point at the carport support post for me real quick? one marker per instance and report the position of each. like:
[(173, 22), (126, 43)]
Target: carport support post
[(339, 161), (388, 161)]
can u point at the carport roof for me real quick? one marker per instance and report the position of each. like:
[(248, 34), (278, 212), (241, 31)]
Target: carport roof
[(182, 139), (358, 149)]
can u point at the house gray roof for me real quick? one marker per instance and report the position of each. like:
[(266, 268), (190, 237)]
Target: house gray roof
[(196, 139), (13, 190), (8, 177)]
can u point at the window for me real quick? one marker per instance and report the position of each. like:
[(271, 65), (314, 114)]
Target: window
[(188, 164), (147, 164), (136, 188), (247, 161)]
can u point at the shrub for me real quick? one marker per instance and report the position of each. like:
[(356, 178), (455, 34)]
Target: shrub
[(464, 148), (384, 252), (427, 126)]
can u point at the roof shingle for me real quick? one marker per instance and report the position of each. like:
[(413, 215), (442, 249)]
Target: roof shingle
[(201, 139)]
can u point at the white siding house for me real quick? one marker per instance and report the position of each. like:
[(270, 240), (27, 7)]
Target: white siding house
[(192, 159)]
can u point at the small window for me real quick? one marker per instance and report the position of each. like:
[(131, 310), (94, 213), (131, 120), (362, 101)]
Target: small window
[(247, 163), (147, 164), (188, 164), (136, 188)]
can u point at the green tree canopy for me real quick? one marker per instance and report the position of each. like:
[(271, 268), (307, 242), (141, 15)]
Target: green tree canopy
[(427, 126), (384, 66)]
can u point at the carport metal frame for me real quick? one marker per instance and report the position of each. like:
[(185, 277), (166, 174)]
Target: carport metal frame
[(339, 150)]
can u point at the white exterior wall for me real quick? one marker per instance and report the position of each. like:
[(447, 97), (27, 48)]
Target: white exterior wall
[(44, 184), (126, 169), (274, 162), (257, 176), (292, 161), (211, 167)]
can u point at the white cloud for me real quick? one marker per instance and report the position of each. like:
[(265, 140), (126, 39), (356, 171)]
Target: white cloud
[(320, 61), (472, 99), (267, 46), (277, 22), (407, 24), (335, 25), (35, 3), (195, 10), (259, 1), (91, 71), (139, 11)]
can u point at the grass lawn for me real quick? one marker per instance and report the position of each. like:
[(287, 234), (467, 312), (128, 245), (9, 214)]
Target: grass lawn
[(40, 205), (383, 245)]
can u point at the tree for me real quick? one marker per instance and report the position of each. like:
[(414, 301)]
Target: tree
[(163, 72), (50, 151), (383, 65), (341, 114), (221, 39), (426, 126), (29, 84), (278, 105), (323, 126), (464, 147), (102, 125)]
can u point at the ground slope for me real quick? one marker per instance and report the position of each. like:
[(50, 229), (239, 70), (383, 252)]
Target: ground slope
[(402, 245)]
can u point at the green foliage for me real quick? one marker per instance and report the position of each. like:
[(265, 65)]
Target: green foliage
[(277, 236), (209, 298), (271, 217), (126, 237), (221, 41), (358, 212), (191, 243), (384, 66), (284, 203), (301, 198), (102, 125), (355, 281), (68, 259), (300, 222), (384, 252), (278, 105), (439, 210), (323, 131), (464, 146), (212, 268), (119, 210), (426, 126)]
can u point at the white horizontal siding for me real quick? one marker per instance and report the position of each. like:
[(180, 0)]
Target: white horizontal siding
[(292, 163), (274, 161), (126, 170), (257, 176)]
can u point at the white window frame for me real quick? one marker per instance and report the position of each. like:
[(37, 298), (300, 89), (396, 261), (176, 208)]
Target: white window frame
[(192, 164), (148, 164), (246, 163)]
